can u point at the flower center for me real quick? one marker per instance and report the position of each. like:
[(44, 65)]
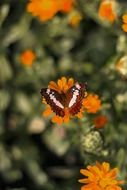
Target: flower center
[(46, 4), (103, 183), (108, 10)]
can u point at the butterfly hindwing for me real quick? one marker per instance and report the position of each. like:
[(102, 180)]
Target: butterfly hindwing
[(75, 96), (53, 98)]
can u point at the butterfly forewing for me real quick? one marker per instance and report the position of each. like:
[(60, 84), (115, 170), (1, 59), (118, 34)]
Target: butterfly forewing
[(54, 99)]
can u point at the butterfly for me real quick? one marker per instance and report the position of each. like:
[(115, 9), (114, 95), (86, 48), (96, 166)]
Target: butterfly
[(72, 99)]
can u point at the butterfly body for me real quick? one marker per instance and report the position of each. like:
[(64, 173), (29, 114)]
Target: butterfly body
[(71, 100)]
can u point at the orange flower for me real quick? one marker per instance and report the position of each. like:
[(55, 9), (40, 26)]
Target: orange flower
[(46, 9), (74, 18), (100, 121), (27, 57), (106, 10), (100, 177), (92, 103), (62, 87), (124, 26), (66, 5)]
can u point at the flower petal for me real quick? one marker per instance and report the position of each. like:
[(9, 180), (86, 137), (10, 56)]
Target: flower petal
[(57, 119), (100, 177), (124, 27), (64, 80), (80, 115), (60, 84), (70, 82), (124, 17), (92, 103), (53, 86), (47, 112)]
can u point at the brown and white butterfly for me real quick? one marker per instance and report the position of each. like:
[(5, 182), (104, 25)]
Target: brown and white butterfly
[(72, 99)]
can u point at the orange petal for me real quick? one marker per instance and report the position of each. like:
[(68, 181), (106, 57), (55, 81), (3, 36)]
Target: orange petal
[(100, 121), (67, 5), (92, 103), (70, 82), (124, 17), (64, 80), (112, 17), (65, 88), (86, 173), (27, 57), (124, 27), (106, 11), (44, 9), (60, 84), (57, 119), (88, 187), (113, 173), (80, 115), (47, 112), (64, 84), (106, 166), (66, 119), (53, 86), (75, 19), (121, 182)]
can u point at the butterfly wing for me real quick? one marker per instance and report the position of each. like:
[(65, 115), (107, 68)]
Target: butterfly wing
[(53, 99), (75, 96)]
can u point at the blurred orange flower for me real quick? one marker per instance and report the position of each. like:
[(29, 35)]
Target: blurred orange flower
[(92, 103), (124, 26), (106, 10), (66, 5), (74, 18), (62, 86), (100, 121), (100, 177), (46, 9), (27, 57)]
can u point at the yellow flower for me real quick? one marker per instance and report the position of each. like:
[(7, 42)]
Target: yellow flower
[(100, 177), (27, 57), (100, 121), (74, 18), (62, 86), (106, 10), (124, 26), (92, 103)]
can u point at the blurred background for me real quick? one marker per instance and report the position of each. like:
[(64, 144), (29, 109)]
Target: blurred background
[(35, 153)]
